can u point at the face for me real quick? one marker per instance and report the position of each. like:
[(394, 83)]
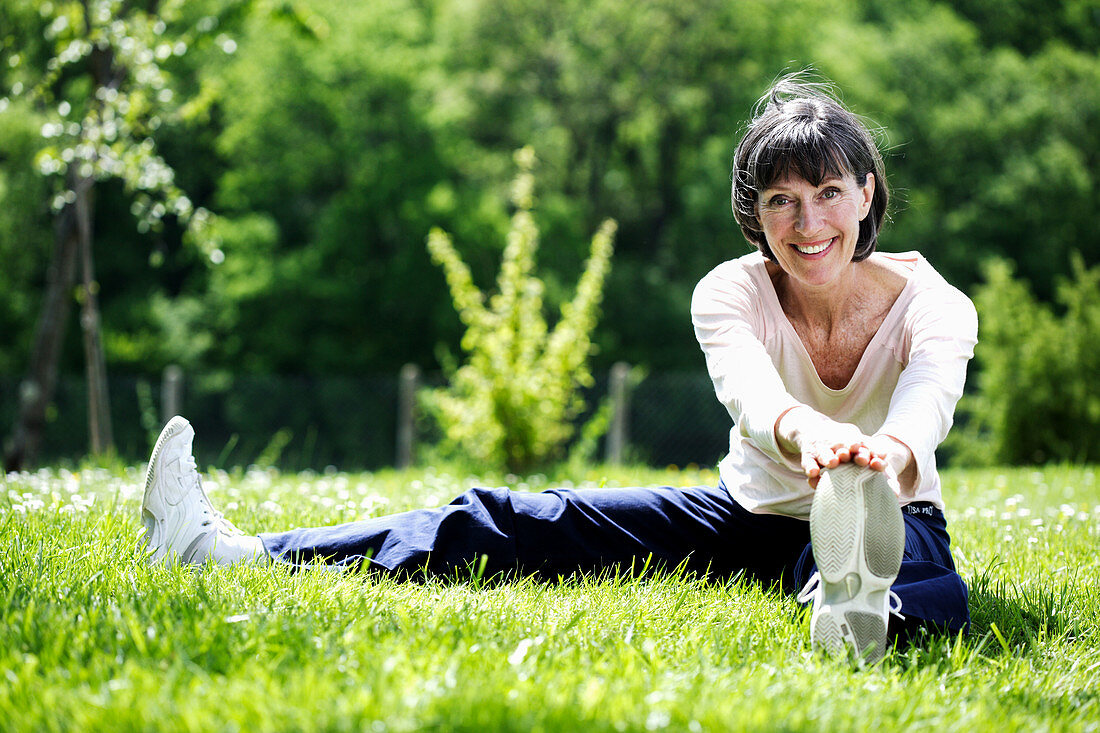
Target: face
[(812, 230)]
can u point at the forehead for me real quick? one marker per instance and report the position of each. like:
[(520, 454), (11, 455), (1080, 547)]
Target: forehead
[(794, 181), (801, 147)]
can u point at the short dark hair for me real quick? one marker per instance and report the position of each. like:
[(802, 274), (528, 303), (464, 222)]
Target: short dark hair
[(799, 127)]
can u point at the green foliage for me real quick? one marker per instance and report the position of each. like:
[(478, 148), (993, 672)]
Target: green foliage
[(24, 232), (1028, 25), (330, 137), (324, 137), (1038, 397), (102, 93), (513, 402)]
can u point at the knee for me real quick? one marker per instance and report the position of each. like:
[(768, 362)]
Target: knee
[(483, 497), (481, 507), (481, 520)]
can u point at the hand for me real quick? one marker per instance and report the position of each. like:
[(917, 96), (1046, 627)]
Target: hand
[(888, 454), (872, 454), (821, 443)]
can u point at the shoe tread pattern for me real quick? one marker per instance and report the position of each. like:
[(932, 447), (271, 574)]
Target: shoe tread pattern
[(857, 531), (870, 635), (884, 530), (834, 531), (826, 634)]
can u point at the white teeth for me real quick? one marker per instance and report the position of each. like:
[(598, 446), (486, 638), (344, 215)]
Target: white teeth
[(813, 249)]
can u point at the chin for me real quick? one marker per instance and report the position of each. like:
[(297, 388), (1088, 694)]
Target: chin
[(818, 276)]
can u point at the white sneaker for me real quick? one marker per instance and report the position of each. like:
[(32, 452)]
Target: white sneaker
[(181, 526), (858, 538)]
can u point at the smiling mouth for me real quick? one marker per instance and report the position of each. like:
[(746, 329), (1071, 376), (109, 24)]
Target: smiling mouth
[(813, 248)]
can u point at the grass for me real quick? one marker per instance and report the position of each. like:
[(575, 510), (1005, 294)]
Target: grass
[(93, 638)]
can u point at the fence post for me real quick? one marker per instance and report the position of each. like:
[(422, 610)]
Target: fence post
[(171, 393), (618, 432), (407, 383)]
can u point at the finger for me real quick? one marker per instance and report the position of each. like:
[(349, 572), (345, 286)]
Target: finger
[(877, 464), (810, 466), (826, 458), (863, 456)]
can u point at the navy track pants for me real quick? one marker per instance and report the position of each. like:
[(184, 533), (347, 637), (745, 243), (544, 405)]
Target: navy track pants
[(566, 531)]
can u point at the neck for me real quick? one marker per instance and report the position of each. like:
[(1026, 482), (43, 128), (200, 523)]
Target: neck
[(819, 306)]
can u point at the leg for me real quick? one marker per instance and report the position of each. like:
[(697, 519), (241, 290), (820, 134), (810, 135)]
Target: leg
[(555, 532), (931, 593), (559, 532)]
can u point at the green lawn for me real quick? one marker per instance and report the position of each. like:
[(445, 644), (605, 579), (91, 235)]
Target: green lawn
[(92, 638)]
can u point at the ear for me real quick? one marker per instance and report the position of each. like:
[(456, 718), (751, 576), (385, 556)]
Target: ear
[(866, 196)]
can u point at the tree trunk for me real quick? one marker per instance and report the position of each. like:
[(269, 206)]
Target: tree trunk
[(73, 240), (36, 390), (95, 364)]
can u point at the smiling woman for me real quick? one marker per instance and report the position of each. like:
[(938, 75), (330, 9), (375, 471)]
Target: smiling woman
[(839, 367), (827, 354)]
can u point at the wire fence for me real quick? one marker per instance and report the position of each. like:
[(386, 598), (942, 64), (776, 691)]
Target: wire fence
[(351, 423)]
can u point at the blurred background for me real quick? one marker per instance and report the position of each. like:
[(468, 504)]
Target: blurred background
[(243, 190)]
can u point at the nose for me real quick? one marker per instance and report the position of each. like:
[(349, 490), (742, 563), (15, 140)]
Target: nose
[(809, 217)]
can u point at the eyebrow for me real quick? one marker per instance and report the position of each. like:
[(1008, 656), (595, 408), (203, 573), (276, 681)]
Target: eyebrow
[(831, 180)]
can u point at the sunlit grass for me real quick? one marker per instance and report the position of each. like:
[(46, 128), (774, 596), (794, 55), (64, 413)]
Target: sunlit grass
[(91, 637)]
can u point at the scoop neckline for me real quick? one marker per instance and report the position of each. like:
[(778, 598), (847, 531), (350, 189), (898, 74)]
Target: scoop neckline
[(891, 315)]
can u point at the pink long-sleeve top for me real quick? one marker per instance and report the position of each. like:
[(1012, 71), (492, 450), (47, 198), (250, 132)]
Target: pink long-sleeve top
[(906, 385)]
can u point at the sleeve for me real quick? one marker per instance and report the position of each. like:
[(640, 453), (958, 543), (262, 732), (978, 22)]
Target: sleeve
[(943, 333), (725, 312)]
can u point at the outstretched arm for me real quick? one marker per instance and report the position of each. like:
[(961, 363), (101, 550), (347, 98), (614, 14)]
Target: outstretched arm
[(729, 326), (943, 332)]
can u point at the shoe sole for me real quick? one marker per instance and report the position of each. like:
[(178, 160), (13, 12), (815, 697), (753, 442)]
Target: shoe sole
[(858, 538)]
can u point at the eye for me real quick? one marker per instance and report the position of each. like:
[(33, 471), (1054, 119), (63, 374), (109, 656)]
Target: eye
[(779, 200), (830, 193)]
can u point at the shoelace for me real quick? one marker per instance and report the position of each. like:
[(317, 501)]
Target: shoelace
[(216, 518), (895, 604), (807, 594)]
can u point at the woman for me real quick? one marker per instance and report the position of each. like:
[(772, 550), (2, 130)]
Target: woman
[(840, 368)]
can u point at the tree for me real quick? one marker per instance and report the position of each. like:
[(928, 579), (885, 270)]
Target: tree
[(102, 93), (338, 133), (332, 180)]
